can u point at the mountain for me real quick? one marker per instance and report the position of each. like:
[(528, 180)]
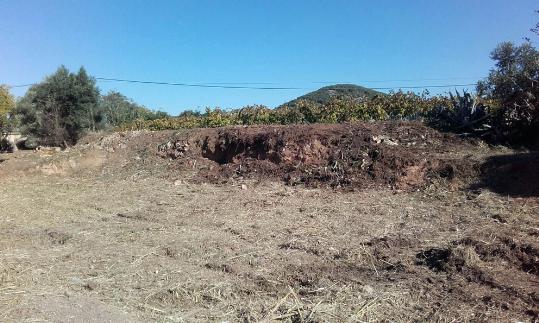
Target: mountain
[(323, 95)]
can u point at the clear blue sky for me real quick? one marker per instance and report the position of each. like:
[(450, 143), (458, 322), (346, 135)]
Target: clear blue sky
[(293, 43)]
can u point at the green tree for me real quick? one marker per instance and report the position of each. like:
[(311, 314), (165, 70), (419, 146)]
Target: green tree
[(117, 109), (7, 104), (60, 108), (514, 85), (87, 99)]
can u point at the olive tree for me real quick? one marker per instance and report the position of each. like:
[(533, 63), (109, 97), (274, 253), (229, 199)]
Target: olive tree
[(60, 108)]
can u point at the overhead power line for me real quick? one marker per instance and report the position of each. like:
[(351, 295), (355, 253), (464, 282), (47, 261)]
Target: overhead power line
[(201, 85), (245, 85), (21, 85), (422, 87)]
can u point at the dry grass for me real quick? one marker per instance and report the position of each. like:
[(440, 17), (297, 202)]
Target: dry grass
[(199, 252)]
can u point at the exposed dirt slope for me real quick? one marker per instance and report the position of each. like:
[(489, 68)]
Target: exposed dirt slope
[(403, 156), (399, 155)]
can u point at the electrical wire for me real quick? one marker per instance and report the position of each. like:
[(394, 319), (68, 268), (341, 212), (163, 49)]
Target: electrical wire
[(231, 85)]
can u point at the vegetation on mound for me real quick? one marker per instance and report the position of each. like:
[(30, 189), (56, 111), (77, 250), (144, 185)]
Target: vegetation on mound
[(395, 106), (457, 112)]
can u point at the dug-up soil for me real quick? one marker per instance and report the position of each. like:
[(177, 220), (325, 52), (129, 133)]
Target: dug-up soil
[(403, 156), (306, 223)]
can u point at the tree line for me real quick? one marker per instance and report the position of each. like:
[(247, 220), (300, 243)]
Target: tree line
[(58, 110)]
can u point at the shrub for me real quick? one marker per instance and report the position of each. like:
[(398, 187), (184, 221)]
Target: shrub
[(345, 109), (256, 114), (218, 118), (462, 113)]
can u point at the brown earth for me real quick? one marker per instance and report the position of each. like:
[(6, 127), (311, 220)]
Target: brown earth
[(354, 222), (403, 156)]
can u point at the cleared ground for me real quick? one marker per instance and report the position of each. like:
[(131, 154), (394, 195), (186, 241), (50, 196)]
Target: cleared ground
[(110, 231)]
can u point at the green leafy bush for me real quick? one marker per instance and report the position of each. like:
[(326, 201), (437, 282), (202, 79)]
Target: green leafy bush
[(256, 114), (218, 118), (464, 113)]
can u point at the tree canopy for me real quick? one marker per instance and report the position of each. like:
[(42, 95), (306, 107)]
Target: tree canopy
[(58, 109), (514, 84), (7, 104), (117, 109)]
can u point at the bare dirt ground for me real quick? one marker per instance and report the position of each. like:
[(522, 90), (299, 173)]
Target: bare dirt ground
[(372, 222)]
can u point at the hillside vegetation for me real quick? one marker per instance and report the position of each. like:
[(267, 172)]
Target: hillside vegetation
[(326, 94)]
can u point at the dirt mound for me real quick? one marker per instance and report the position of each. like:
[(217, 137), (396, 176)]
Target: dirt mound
[(401, 155)]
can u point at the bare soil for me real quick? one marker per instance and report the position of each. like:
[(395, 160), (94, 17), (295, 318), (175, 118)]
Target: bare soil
[(402, 155), (354, 222)]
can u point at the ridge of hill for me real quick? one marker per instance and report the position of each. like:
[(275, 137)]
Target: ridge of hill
[(324, 94)]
